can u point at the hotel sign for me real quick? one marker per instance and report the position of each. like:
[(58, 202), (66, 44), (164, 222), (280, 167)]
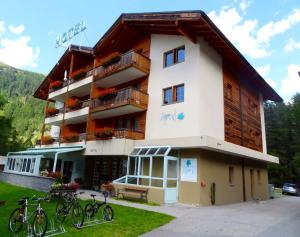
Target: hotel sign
[(73, 31)]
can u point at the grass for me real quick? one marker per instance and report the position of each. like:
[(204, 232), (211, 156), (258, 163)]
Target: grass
[(127, 221)]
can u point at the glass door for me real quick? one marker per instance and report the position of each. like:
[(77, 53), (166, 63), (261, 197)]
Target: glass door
[(171, 179)]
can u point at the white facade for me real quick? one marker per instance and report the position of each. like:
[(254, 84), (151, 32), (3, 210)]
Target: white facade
[(201, 74)]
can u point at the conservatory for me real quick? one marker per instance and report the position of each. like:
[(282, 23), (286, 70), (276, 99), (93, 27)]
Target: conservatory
[(153, 167)]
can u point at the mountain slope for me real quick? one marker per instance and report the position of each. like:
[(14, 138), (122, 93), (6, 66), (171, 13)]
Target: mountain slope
[(25, 111)]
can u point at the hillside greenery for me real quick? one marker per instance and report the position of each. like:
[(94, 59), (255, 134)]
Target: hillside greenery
[(283, 140), (24, 112)]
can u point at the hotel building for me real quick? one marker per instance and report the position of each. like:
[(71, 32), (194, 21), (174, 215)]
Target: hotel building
[(163, 101)]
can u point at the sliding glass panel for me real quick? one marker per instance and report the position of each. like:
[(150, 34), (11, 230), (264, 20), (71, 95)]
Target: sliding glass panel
[(172, 169), (171, 183), (131, 180), (144, 181), (133, 163), (28, 165), (157, 183), (145, 166), (24, 165)]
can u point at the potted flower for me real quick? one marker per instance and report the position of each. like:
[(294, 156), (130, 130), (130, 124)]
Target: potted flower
[(71, 137), (73, 103), (111, 59), (105, 132), (44, 173), (51, 111), (54, 85), (105, 94), (47, 139)]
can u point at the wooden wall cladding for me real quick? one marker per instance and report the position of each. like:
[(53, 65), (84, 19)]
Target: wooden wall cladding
[(241, 112)]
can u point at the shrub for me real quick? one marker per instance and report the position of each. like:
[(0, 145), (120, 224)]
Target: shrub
[(71, 137), (105, 94), (111, 59)]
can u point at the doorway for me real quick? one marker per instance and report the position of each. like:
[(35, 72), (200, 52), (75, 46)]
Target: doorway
[(67, 171), (171, 186)]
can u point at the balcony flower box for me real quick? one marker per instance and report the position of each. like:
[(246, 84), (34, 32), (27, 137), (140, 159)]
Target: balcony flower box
[(73, 103), (47, 139), (78, 76), (105, 132), (51, 111), (55, 85), (71, 137), (112, 59), (106, 94)]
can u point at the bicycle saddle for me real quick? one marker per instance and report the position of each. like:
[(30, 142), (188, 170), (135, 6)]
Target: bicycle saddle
[(25, 198), (93, 195)]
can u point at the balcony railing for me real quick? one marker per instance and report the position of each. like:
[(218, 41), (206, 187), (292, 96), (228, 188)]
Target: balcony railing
[(59, 111), (76, 137), (83, 104), (128, 59), (119, 133), (126, 96)]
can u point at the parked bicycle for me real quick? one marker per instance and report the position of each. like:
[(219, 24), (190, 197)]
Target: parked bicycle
[(64, 205), (20, 216), (92, 209)]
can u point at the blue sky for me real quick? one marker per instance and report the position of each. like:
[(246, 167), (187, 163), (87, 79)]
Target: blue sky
[(266, 32)]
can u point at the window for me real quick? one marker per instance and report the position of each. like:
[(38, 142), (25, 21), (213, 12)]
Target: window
[(173, 94), (258, 177), (174, 56), (231, 176), (179, 93), (168, 95), (135, 124)]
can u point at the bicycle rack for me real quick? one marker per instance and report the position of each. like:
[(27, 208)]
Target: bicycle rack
[(55, 227), (94, 221)]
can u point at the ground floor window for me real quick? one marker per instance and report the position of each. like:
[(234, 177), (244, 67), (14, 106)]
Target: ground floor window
[(21, 164)]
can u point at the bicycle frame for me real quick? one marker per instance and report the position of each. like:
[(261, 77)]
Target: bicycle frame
[(27, 216)]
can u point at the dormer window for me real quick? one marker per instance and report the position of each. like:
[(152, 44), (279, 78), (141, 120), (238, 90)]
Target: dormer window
[(174, 56)]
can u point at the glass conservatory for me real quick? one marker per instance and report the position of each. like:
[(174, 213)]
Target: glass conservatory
[(153, 167)]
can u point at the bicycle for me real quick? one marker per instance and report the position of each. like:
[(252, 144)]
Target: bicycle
[(91, 209), (20, 216), (67, 202)]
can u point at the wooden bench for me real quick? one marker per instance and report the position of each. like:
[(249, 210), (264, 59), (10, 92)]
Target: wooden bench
[(135, 191)]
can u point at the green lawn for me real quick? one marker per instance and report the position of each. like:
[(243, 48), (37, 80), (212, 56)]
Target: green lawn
[(127, 221)]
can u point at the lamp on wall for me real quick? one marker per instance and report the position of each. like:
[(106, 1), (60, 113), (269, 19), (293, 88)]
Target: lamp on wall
[(65, 76)]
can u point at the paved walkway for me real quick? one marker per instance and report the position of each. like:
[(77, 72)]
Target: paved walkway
[(272, 218)]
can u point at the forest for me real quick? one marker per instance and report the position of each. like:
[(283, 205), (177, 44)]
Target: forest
[(21, 117)]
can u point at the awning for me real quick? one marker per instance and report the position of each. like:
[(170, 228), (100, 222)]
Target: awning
[(56, 151)]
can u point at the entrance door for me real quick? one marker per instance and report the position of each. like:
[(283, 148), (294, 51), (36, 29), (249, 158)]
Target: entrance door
[(171, 181), (252, 183), (67, 171)]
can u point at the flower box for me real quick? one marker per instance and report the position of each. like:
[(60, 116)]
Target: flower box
[(47, 139), (73, 103), (71, 137), (51, 111), (105, 94), (55, 85), (112, 59), (105, 132)]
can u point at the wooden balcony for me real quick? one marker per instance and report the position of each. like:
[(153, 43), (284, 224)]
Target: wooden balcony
[(119, 133), (78, 114), (129, 67), (126, 101)]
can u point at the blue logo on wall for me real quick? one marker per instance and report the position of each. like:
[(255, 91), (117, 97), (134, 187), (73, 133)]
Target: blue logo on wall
[(172, 116), (180, 116)]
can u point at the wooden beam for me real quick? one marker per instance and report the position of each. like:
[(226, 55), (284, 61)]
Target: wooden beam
[(185, 32)]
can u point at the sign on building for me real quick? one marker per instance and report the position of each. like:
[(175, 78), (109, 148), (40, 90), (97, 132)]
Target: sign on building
[(68, 35), (189, 170)]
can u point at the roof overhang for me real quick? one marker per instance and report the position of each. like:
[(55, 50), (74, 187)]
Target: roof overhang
[(210, 143)]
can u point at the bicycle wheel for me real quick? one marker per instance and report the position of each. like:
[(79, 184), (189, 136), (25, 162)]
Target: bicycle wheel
[(108, 213), (40, 223), (16, 221), (61, 211), (89, 210), (77, 216)]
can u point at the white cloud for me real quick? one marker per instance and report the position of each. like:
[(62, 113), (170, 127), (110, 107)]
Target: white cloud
[(244, 4), (16, 29), (18, 53), (246, 35), (264, 72), (291, 45), (291, 83), (2, 27)]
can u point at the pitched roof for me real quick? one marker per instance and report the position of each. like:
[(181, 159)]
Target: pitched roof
[(191, 24)]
